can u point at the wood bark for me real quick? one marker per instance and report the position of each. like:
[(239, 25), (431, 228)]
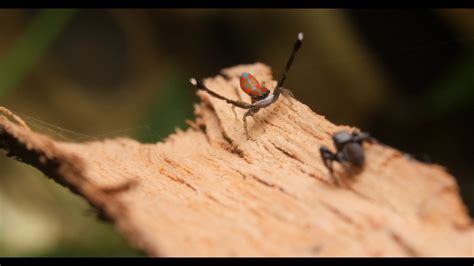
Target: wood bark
[(208, 191)]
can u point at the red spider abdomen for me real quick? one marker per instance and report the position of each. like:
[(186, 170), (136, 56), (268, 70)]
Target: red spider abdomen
[(251, 86)]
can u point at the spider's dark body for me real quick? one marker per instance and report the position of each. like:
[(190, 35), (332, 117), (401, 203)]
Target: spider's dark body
[(349, 149), (259, 94), (353, 153)]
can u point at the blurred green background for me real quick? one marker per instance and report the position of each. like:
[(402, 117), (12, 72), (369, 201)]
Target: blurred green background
[(405, 76)]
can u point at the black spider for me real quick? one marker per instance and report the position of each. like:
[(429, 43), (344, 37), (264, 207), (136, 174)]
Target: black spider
[(348, 149)]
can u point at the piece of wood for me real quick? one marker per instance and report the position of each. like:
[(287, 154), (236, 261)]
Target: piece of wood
[(208, 191)]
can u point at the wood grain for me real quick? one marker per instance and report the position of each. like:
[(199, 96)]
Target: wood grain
[(208, 191)]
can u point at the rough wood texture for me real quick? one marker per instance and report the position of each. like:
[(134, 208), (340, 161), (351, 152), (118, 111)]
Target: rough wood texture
[(208, 191)]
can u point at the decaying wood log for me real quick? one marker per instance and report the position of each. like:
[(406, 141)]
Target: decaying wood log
[(208, 191)]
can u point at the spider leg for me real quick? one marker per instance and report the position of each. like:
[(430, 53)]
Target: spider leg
[(201, 86), (328, 157), (296, 47), (233, 111), (363, 136), (281, 90), (250, 112), (287, 93)]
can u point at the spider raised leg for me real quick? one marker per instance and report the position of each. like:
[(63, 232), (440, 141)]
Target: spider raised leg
[(259, 94)]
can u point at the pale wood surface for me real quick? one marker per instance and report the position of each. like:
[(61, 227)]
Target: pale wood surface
[(208, 191)]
